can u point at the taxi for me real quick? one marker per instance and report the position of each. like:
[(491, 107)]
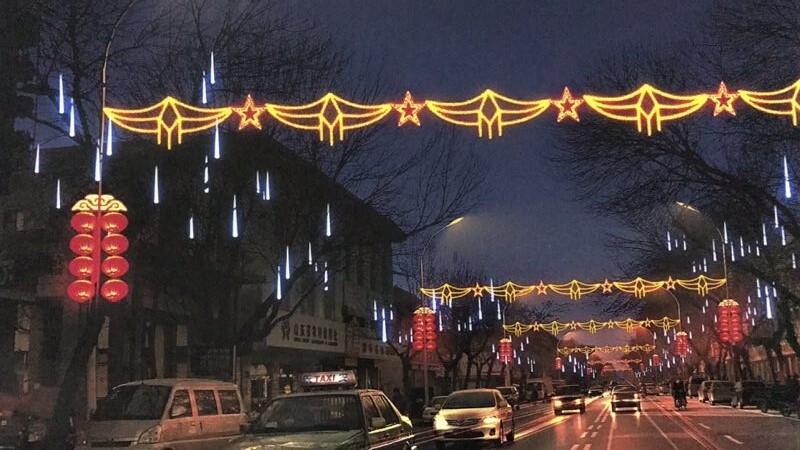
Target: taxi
[(330, 413)]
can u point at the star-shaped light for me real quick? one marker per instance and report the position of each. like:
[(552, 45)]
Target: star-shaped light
[(567, 106), (723, 101), (477, 291), (670, 284), (408, 110), (249, 114), (541, 288), (607, 285)]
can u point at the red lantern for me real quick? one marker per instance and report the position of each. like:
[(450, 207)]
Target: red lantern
[(656, 360), (114, 290), (80, 291), (114, 244), (115, 266), (83, 222), (82, 244), (681, 343), (505, 351), (730, 322), (424, 328), (114, 222), (558, 363), (81, 267)]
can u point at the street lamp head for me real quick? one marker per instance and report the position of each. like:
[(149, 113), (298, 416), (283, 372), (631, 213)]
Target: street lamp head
[(455, 221), (687, 206)]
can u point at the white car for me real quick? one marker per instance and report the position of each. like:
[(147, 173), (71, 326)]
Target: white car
[(474, 415), (433, 407)]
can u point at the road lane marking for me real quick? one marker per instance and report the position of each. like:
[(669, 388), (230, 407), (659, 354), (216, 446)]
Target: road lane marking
[(590, 427), (704, 425), (735, 441), (689, 428), (664, 435), (575, 447), (584, 434), (594, 434), (587, 446), (599, 426)]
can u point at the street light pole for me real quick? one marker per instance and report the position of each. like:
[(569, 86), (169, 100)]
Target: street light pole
[(425, 248)]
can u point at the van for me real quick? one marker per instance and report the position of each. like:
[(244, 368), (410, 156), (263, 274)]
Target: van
[(166, 414)]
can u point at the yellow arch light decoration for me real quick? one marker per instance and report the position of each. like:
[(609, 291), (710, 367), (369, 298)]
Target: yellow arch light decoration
[(331, 115), (489, 112), (647, 106), (169, 117), (575, 289), (103, 203), (782, 102), (607, 348), (592, 326)]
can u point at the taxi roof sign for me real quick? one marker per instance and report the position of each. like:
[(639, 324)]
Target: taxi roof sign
[(339, 378)]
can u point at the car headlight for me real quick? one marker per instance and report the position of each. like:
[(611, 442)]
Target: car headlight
[(557, 403), (439, 422), (636, 396), (150, 436), (492, 420)]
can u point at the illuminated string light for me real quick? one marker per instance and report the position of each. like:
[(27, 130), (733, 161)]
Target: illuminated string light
[(741, 246), (288, 264), (684, 242), (499, 314), (794, 261), (568, 351), (169, 118), (58, 193), (98, 173), (110, 139), (325, 276), (763, 234), (383, 325), (733, 252), (725, 231), (331, 115), (783, 236), (787, 187), (328, 232), (480, 309), (204, 96), (705, 264), (235, 219), (211, 72), (191, 227), (310, 256), (491, 290), (575, 289), (36, 160), (216, 142), (278, 294), (258, 182), (60, 94), (267, 193), (714, 250), (375, 310), (781, 102), (669, 242), (775, 214), (71, 117), (488, 112), (592, 326), (205, 175), (155, 187)]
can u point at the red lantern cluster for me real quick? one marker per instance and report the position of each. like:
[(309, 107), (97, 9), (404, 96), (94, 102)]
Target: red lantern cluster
[(88, 246), (504, 350), (424, 327), (681, 343), (730, 322)]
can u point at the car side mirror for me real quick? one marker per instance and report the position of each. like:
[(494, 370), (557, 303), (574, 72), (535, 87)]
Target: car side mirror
[(377, 422), (178, 411)]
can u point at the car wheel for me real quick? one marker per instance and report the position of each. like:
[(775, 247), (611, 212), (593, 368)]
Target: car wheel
[(764, 407)]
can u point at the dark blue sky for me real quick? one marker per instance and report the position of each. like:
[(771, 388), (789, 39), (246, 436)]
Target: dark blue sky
[(529, 226)]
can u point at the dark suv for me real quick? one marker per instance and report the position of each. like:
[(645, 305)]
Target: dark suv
[(748, 393)]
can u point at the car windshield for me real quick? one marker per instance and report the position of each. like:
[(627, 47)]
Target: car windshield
[(572, 389), (465, 400), (624, 389), (334, 412), (134, 402), (437, 401)]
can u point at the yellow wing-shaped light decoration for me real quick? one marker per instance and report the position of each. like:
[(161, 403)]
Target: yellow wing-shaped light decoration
[(702, 284), (489, 112), (783, 102), (330, 116), (647, 106), (575, 289), (517, 329), (639, 287), (168, 118), (592, 326)]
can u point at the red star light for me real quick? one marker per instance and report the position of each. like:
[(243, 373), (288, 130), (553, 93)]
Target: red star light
[(607, 286), (249, 114), (408, 110), (723, 101), (567, 106)]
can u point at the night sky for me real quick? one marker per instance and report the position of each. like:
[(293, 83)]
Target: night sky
[(529, 225)]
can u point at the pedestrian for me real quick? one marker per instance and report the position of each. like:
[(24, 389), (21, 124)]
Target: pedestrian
[(399, 401)]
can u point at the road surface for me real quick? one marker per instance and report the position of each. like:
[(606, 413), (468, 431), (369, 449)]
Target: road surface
[(657, 427)]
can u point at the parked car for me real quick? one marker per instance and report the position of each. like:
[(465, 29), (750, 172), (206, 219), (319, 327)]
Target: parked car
[(433, 408), (474, 415), (650, 389), (779, 397), (595, 390), (748, 393), (625, 397), (569, 397), (350, 418), (721, 392), (166, 413), (511, 394), (694, 384), (665, 389), (702, 391)]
